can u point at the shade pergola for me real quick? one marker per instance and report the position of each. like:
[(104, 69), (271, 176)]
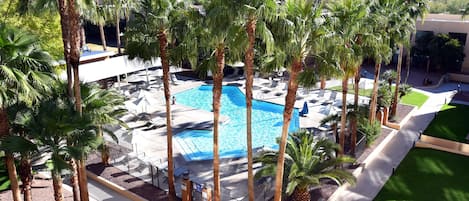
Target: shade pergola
[(116, 66)]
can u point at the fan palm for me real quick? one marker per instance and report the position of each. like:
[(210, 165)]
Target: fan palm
[(348, 46), (159, 29), (69, 11), (379, 50), (417, 8), (222, 38), (104, 107), (50, 123), (97, 15), (22, 141), (296, 32), (403, 24), (256, 14), (24, 72), (308, 161), (23, 145)]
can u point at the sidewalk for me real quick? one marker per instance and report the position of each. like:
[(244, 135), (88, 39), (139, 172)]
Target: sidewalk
[(378, 171)]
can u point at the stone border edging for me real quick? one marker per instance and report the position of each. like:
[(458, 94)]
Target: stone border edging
[(124, 192), (370, 157), (403, 121)]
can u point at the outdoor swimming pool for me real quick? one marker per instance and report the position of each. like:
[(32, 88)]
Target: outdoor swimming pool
[(267, 121)]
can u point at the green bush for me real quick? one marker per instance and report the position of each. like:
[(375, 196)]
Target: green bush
[(384, 95), (371, 130), (404, 89)]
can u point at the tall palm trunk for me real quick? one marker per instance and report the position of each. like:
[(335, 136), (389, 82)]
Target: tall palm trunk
[(83, 180), (26, 177), (105, 155), (163, 40), (9, 159), (343, 117), (374, 94), (249, 63), (398, 81), (103, 36), (57, 184), (323, 83), (74, 179), (354, 120), (82, 36), (301, 194), (408, 58), (12, 175), (287, 114), (63, 11), (118, 32), (74, 26), (217, 90)]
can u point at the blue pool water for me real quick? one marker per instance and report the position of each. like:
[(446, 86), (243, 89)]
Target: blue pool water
[(267, 119)]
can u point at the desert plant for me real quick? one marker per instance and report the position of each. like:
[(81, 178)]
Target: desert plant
[(404, 89), (371, 130)]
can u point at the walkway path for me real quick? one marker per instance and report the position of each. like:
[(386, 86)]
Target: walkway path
[(381, 166)]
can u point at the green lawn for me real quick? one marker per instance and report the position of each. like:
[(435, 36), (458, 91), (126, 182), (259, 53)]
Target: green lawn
[(414, 98), (427, 174), (450, 123)]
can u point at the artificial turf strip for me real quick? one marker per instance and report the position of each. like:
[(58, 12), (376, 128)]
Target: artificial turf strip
[(450, 123), (414, 98), (427, 174)]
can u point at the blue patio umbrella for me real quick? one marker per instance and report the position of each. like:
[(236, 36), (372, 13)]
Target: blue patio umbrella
[(304, 111)]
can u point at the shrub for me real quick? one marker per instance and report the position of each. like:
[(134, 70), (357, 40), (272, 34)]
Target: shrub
[(384, 95), (371, 130), (404, 89)]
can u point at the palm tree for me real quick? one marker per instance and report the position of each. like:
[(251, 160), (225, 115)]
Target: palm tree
[(21, 143), (97, 16), (296, 32), (50, 123), (222, 37), (350, 13), (257, 13), (24, 73), (379, 50), (417, 8), (403, 26), (69, 11), (80, 142), (308, 162), (104, 107), (159, 29), (389, 76)]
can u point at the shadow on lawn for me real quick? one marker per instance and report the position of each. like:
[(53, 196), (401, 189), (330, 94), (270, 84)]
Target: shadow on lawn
[(428, 175), (450, 123)]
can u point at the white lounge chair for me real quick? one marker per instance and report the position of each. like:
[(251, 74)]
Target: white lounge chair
[(174, 79)]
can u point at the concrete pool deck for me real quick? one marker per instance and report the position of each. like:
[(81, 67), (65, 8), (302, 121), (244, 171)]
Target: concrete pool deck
[(149, 145)]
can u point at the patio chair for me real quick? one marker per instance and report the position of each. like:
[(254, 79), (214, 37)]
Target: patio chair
[(321, 93), (174, 79), (274, 83), (332, 97), (319, 98)]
